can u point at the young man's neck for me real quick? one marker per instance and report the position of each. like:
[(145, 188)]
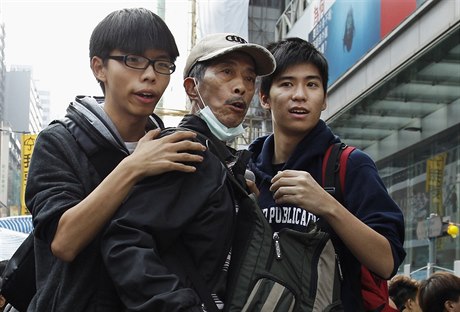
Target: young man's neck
[(130, 129), (284, 147)]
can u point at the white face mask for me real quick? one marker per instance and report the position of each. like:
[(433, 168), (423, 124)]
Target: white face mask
[(222, 132)]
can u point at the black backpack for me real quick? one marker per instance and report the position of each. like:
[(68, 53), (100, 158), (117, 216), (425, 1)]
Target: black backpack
[(274, 271)]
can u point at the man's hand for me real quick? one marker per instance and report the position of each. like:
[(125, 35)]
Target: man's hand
[(252, 187), (298, 188), (172, 152)]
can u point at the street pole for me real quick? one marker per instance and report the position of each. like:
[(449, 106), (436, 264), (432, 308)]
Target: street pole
[(431, 256)]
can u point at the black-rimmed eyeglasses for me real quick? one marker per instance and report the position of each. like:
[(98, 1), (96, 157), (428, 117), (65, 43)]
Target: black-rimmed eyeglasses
[(141, 62)]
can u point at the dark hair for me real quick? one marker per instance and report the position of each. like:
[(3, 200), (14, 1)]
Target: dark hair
[(402, 288), (134, 31), (437, 289), (294, 51)]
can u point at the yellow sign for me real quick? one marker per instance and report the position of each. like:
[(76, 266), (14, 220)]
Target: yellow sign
[(27, 148), (434, 178)]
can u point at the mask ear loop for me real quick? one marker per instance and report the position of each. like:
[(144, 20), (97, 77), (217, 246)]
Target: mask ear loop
[(199, 94)]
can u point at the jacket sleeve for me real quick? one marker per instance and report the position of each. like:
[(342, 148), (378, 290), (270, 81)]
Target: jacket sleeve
[(367, 198), (157, 213), (59, 177)]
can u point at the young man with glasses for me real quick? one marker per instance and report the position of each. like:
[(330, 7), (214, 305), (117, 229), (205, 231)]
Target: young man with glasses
[(132, 54), (182, 223)]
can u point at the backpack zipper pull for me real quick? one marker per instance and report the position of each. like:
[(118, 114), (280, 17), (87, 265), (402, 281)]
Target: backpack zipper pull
[(339, 266), (276, 238)]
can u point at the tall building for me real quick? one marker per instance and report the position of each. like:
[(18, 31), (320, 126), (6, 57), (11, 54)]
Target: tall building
[(23, 110), (2, 66), (22, 114), (394, 92), (45, 104), (262, 18)]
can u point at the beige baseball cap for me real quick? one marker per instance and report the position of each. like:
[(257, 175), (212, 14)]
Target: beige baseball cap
[(218, 44)]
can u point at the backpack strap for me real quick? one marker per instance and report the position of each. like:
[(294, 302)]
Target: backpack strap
[(95, 148), (374, 290), (334, 169)]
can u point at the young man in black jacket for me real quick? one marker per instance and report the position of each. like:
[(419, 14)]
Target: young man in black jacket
[(132, 55), (180, 220)]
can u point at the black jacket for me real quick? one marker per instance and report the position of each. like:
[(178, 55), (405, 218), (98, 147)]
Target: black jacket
[(60, 176), (141, 247)]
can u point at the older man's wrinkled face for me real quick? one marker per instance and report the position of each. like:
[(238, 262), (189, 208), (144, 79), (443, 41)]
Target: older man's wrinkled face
[(228, 86)]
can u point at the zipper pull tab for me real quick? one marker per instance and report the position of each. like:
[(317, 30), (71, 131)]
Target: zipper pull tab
[(276, 238), (339, 267)]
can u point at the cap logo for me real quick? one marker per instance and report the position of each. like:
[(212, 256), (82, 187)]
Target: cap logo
[(233, 38)]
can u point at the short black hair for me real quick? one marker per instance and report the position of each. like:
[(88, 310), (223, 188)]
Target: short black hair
[(134, 31), (294, 51)]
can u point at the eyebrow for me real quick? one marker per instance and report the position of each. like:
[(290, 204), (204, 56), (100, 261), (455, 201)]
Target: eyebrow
[(287, 77)]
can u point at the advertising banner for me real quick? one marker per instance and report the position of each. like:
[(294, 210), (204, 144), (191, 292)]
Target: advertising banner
[(434, 181), (345, 31), (222, 16)]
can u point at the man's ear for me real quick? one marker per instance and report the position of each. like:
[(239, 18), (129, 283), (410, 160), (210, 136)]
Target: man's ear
[(190, 88), (98, 68), (264, 101), (449, 306), (324, 106)]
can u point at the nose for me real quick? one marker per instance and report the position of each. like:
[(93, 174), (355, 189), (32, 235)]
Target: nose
[(299, 94), (239, 86), (149, 73)]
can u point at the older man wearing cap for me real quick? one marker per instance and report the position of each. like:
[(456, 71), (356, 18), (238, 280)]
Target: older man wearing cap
[(176, 229)]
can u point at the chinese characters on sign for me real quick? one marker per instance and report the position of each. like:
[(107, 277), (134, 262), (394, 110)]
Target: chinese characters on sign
[(27, 148)]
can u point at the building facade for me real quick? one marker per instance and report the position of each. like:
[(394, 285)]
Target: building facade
[(394, 92), (2, 66), (23, 111)]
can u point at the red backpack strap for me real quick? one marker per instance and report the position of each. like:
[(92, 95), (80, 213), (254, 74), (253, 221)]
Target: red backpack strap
[(325, 165), (343, 164), (334, 169)]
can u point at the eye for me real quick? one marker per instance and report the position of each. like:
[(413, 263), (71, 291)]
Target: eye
[(313, 84), (285, 84), (134, 59), (164, 64)]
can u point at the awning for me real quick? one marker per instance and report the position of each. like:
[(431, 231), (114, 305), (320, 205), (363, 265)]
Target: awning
[(21, 224)]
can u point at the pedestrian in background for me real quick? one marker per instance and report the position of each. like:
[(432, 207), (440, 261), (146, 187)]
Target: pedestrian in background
[(403, 291), (440, 293)]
